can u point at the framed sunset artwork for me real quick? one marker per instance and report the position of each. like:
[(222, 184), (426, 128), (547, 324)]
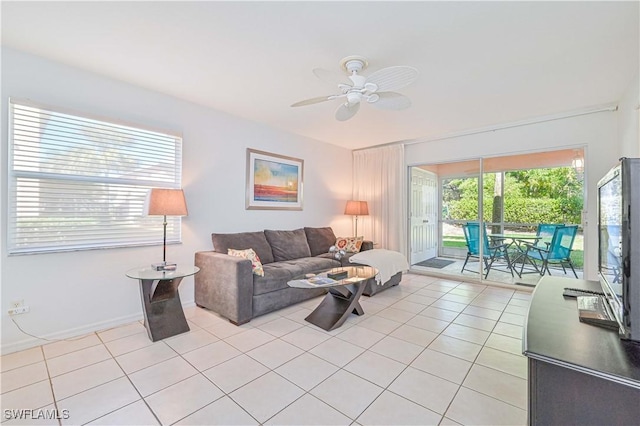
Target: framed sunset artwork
[(274, 182)]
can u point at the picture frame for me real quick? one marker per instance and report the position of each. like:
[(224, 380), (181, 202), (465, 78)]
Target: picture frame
[(274, 182)]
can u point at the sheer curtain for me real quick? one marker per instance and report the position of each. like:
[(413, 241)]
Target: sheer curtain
[(379, 177)]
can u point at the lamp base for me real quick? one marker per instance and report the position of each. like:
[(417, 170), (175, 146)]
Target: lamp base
[(164, 266)]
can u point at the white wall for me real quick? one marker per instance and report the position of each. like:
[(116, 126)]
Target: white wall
[(597, 133), (74, 293), (629, 121)]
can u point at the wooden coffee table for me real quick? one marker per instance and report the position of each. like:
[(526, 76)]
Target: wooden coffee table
[(343, 297)]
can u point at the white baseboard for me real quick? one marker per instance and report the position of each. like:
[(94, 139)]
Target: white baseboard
[(31, 342)]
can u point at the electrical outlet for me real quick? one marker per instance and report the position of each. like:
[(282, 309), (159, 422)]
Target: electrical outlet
[(17, 307), (19, 310)]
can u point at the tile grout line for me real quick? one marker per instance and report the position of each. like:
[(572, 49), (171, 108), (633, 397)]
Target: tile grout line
[(403, 370), (53, 394), (305, 392), (468, 371), (414, 289), (461, 385), (474, 363), (132, 385), (224, 393), (342, 368)]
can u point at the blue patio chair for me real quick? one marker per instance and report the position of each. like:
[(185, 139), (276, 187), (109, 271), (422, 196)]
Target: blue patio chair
[(558, 251), (490, 252), (545, 233)]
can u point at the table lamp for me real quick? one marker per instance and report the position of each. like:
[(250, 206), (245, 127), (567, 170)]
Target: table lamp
[(356, 208), (165, 202)]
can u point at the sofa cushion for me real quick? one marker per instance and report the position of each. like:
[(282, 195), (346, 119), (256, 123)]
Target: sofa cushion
[(277, 274), (287, 245), (256, 265), (320, 239), (327, 256), (314, 265), (244, 240)]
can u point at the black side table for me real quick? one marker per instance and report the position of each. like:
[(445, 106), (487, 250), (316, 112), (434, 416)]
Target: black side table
[(163, 314)]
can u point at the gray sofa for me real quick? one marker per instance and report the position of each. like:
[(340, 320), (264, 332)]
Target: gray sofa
[(226, 284)]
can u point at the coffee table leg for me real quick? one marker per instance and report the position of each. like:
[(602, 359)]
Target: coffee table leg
[(357, 310), (163, 314), (337, 305)]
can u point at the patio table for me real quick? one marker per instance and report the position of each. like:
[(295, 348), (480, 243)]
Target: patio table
[(516, 246)]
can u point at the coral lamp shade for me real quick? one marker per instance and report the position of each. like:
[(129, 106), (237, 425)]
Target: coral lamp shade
[(166, 202), (357, 208)]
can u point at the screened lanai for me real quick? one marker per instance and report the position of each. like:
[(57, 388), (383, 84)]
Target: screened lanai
[(502, 202)]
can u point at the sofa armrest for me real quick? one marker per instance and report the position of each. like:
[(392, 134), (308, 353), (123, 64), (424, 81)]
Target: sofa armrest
[(366, 245), (225, 285)]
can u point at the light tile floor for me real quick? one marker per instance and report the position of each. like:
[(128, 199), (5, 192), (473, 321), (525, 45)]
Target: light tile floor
[(429, 351)]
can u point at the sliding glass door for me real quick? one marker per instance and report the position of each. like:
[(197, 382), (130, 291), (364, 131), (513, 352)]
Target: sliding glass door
[(494, 209)]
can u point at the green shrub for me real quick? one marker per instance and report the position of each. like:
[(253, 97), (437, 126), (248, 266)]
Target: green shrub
[(517, 210)]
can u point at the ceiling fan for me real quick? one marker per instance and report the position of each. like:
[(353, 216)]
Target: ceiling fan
[(356, 88)]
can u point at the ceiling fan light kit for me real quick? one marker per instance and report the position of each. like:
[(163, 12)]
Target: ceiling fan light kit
[(374, 89)]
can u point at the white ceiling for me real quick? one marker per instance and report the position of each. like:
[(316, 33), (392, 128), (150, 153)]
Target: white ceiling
[(480, 63)]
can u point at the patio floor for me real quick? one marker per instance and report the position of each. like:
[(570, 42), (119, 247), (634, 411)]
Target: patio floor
[(499, 272)]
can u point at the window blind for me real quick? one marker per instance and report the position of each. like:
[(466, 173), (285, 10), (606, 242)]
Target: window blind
[(77, 183)]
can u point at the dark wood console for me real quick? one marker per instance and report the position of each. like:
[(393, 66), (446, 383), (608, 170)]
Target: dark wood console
[(578, 373)]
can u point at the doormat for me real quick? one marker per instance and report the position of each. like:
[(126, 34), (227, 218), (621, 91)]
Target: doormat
[(435, 263)]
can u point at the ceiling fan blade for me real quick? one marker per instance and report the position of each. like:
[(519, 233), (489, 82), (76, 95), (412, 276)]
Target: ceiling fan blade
[(313, 101), (346, 111), (332, 77), (393, 78), (390, 100)]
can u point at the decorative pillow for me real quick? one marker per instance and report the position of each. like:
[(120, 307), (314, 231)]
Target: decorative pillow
[(349, 244), (256, 266)]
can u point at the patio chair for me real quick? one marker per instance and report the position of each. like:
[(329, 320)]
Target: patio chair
[(545, 232), (544, 235), (558, 251), (490, 252)]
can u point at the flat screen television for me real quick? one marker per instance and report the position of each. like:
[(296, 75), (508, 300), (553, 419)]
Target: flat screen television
[(619, 243)]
